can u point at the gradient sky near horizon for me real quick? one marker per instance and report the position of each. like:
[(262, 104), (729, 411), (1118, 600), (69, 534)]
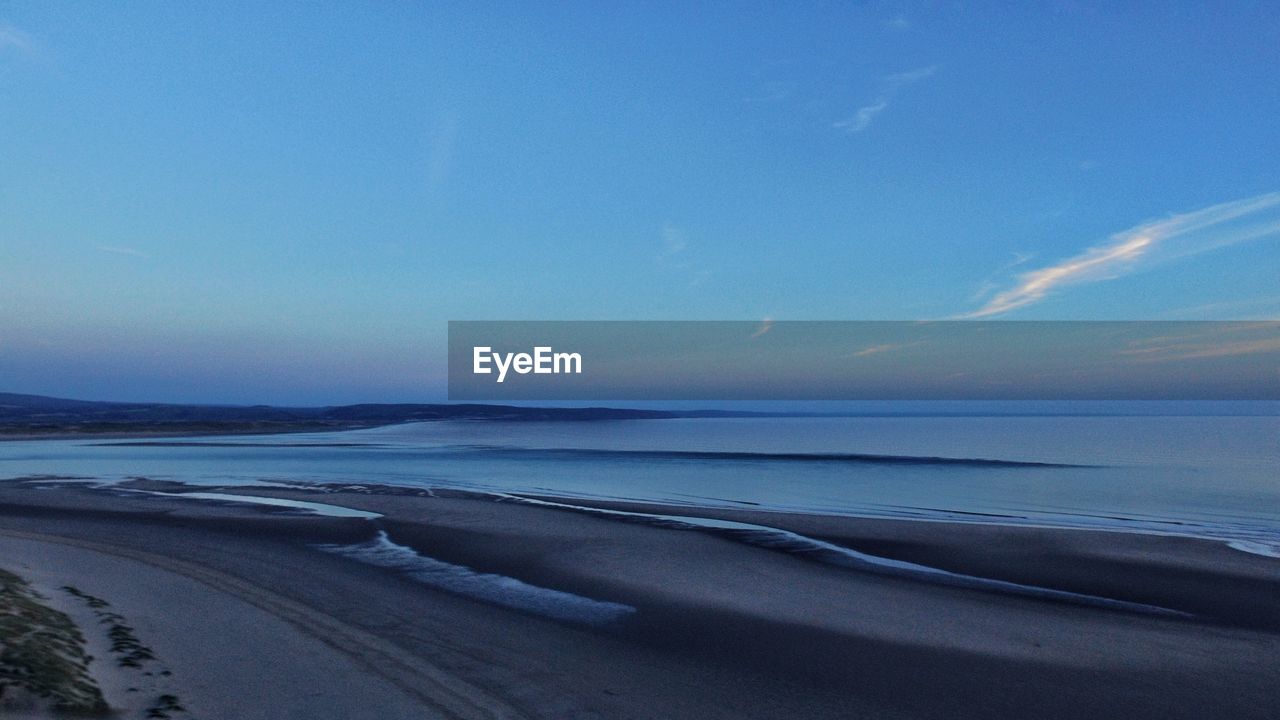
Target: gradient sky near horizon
[(285, 202)]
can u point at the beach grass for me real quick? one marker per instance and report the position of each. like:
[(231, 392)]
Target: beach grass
[(42, 652)]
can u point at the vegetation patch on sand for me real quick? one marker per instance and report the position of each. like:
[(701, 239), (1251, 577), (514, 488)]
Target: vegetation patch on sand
[(42, 652), (129, 651)]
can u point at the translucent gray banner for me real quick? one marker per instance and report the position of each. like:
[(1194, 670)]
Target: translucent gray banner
[(890, 360)]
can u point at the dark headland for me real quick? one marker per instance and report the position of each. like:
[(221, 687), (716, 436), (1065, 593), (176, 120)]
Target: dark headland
[(37, 416)]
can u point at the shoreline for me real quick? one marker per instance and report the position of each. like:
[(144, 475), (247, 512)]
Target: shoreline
[(719, 627), (1189, 568), (23, 434)]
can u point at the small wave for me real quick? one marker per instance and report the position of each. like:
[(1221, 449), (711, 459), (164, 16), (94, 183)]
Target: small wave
[(826, 552), (323, 509), (488, 587), (742, 456), (231, 443), (1255, 547)]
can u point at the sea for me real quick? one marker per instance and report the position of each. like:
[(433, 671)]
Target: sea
[(1198, 475)]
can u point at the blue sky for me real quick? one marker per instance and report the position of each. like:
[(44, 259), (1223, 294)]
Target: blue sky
[(270, 202)]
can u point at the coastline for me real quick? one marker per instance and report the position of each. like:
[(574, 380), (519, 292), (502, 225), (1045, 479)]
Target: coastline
[(114, 431), (717, 627), (36, 417)]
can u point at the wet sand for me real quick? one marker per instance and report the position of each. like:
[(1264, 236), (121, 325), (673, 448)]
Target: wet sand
[(248, 611)]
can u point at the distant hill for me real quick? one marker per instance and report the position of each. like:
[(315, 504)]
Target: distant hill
[(37, 415)]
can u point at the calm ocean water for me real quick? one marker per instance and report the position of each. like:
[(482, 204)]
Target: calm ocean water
[(1208, 476)]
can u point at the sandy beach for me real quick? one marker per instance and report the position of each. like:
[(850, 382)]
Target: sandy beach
[(464, 605)]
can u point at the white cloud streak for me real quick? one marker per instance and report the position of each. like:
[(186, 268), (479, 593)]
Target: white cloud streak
[(13, 38), (1258, 308), (1173, 238), (887, 347), (675, 256), (897, 80), (1199, 348), (673, 242), (862, 119), (765, 326)]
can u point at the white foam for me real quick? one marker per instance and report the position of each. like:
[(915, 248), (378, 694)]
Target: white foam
[(488, 587), (1254, 547), (316, 508)]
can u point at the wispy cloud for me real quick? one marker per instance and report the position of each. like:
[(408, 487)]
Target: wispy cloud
[(886, 347), (1173, 238), (862, 119), (122, 251), (897, 80), (1244, 347), (673, 242), (675, 256), (988, 284), (1258, 308), (1213, 342), (11, 38), (1095, 263), (898, 23), (890, 85), (765, 326)]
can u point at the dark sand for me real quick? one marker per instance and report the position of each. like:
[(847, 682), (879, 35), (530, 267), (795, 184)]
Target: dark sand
[(231, 592)]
